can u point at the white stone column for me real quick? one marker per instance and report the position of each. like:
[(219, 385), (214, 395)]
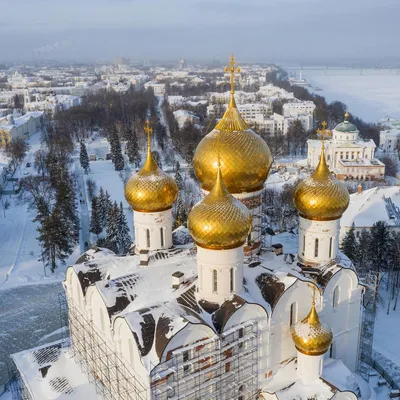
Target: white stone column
[(220, 273), (153, 231), (309, 368), (318, 241)]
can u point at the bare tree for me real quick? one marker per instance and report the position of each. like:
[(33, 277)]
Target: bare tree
[(16, 150), (35, 190)]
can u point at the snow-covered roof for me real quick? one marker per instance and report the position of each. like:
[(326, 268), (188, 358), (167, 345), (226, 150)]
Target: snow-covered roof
[(50, 372), (370, 206)]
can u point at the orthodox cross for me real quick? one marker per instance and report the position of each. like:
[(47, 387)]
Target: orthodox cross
[(346, 115), (324, 132), (232, 70), (314, 288), (148, 131)]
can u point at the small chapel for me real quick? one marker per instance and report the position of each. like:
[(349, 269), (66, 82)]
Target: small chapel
[(222, 317)]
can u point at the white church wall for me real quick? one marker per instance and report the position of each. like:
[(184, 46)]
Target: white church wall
[(126, 346), (281, 344), (318, 240), (216, 284), (342, 311), (97, 310), (153, 231)]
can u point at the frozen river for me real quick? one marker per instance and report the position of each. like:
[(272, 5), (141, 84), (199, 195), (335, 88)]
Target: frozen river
[(369, 93), (27, 315)]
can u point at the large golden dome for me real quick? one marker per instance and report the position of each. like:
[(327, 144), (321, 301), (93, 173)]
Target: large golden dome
[(245, 157), (311, 336), (219, 221), (321, 197), (151, 189)]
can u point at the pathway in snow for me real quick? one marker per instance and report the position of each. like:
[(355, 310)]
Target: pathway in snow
[(27, 314)]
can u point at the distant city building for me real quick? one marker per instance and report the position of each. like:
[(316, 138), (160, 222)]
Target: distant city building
[(184, 116), (159, 88), (294, 109), (23, 126), (389, 136), (347, 156)]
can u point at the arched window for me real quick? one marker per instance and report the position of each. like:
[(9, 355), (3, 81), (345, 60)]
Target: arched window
[(330, 247), (215, 281), (304, 244), (335, 298), (241, 396), (331, 351), (148, 238), (231, 279), (316, 247), (293, 313), (162, 236)]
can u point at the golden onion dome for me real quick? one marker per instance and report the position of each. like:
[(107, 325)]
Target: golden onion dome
[(311, 336), (219, 221), (245, 157), (150, 189), (321, 197)]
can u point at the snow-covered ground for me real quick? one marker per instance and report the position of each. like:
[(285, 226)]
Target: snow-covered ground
[(369, 93)]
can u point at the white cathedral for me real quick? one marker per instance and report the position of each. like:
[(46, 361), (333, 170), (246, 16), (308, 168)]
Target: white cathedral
[(209, 320)]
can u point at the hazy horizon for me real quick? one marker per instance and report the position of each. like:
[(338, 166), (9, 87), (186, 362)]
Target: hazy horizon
[(305, 31)]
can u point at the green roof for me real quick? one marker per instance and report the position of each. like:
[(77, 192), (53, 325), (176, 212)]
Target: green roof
[(346, 126)]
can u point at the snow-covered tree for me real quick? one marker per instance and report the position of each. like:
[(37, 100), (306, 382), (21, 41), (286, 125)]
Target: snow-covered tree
[(178, 176), (101, 201), (132, 148), (180, 213), (349, 244), (157, 158), (124, 237), (119, 159), (84, 158), (112, 228), (95, 221)]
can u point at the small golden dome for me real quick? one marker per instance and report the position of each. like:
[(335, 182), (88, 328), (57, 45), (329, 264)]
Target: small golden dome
[(150, 189), (321, 197), (311, 336), (219, 221), (245, 157)]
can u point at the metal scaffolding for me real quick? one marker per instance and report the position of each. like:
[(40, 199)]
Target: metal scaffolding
[(103, 366), (368, 326), (221, 368)]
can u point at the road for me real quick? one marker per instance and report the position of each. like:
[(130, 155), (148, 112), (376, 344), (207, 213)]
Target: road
[(27, 313)]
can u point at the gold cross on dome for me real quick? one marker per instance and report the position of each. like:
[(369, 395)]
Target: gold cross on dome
[(232, 70), (148, 131), (346, 115), (324, 132)]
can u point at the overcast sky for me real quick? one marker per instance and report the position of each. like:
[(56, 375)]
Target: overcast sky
[(255, 30)]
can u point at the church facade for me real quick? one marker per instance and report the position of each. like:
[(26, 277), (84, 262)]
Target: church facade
[(203, 321)]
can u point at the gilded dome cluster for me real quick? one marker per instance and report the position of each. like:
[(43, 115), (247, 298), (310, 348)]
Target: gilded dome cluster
[(321, 197), (311, 336), (150, 189), (219, 221), (245, 157)]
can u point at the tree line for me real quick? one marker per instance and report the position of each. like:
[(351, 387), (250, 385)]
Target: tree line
[(376, 252)]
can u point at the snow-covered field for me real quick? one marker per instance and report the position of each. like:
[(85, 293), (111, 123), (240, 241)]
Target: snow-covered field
[(369, 93)]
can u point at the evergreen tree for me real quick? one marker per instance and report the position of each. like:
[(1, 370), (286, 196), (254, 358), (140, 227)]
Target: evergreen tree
[(114, 142), (112, 228), (95, 222), (124, 237), (119, 158), (84, 158), (56, 244), (107, 207), (132, 148), (181, 214), (378, 250), (102, 205), (349, 244), (362, 259), (178, 176)]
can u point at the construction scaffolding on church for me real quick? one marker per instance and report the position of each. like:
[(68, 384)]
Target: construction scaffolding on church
[(103, 366), (224, 367)]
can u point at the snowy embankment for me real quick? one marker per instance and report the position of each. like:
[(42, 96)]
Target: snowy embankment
[(369, 93)]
